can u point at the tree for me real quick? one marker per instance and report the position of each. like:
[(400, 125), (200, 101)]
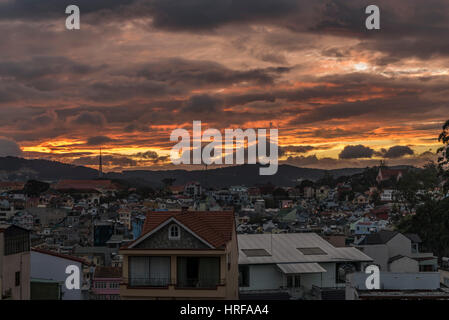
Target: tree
[(443, 159), (431, 223), (168, 182), (34, 188)]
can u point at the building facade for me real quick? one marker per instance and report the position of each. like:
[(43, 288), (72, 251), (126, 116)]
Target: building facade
[(14, 263), (182, 255)]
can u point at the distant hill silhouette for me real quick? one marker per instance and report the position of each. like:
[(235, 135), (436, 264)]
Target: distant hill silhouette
[(12, 168)]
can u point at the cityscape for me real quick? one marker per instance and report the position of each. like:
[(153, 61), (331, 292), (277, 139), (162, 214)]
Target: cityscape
[(309, 241)]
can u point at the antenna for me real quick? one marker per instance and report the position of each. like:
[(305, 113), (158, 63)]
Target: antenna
[(100, 169)]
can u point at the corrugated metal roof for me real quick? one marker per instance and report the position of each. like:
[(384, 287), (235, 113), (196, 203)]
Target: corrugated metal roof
[(283, 249), (296, 268)]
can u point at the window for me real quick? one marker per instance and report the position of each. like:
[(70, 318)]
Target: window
[(149, 271), (16, 243), (290, 281), (293, 281), (17, 276), (312, 251), (256, 252), (243, 276), (174, 232), (194, 272)]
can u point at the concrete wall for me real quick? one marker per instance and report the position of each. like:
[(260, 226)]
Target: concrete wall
[(310, 279), (405, 264), (379, 253), (398, 281), (399, 244), (264, 277), (329, 277), (48, 267), (9, 265)]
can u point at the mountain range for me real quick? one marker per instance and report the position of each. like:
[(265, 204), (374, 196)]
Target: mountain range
[(19, 169)]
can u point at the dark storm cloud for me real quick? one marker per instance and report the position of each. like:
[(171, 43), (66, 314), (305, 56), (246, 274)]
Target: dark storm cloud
[(335, 133), (9, 148), (404, 106), (108, 160), (201, 104), (204, 73), (396, 152), (356, 152), (294, 150), (89, 118), (206, 14), (98, 140), (45, 9), (151, 156), (43, 66), (409, 28)]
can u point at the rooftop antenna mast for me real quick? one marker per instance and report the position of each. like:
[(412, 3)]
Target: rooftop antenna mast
[(100, 169)]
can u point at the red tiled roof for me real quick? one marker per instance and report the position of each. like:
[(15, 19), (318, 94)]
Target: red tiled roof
[(387, 173), (60, 255), (176, 188), (107, 272), (215, 227), (12, 185)]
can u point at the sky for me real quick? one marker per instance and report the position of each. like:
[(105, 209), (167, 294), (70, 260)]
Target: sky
[(340, 95)]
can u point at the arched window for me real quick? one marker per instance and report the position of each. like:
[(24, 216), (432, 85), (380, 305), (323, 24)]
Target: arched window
[(174, 233)]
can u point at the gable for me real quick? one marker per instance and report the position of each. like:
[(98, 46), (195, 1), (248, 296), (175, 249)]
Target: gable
[(160, 240)]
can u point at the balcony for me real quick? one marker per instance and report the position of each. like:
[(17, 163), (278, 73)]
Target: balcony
[(203, 283), (148, 282)]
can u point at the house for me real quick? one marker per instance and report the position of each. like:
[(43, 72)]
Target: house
[(365, 226), (387, 195), (193, 189), (51, 266), (403, 286), (125, 217), (182, 255), (106, 283), (7, 186), (300, 265), (395, 252), (387, 174), (360, 198), (175, 190), (7, 210), (309, 192), (322, 192), (14, 263)]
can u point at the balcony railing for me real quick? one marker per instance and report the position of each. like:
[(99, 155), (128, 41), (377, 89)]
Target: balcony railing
[(203, 283), (149, 282)]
